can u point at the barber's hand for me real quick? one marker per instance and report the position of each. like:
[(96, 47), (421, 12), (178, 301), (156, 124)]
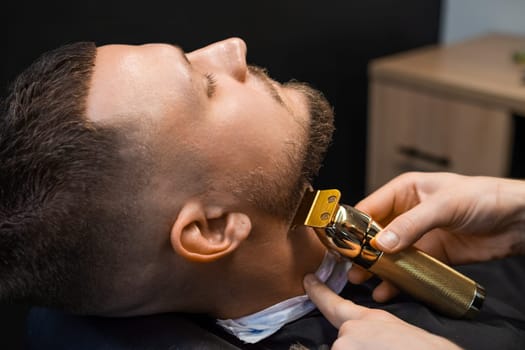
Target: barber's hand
[(457, 219), (364, 328)]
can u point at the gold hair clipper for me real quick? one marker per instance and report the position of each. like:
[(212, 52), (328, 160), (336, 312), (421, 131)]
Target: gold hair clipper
[(348, 232)]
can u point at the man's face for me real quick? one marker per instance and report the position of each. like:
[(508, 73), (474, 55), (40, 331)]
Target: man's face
[(248, 134)]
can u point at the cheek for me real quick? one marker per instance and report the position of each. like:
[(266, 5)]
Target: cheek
[(247, 135), (255, 119)]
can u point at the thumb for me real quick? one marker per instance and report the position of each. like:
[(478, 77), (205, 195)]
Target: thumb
[(408, 227), (336, 309)]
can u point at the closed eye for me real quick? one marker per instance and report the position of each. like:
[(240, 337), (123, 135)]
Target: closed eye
[(211, 84)]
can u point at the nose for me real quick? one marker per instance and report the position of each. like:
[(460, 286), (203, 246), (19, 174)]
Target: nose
[(226, 56)]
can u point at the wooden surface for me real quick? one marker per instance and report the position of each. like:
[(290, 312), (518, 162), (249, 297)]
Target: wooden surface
[(412, 130), (444, 109), (481, 69)]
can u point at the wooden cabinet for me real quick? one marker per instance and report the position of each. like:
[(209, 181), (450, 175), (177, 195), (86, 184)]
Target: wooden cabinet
[(445, 108)]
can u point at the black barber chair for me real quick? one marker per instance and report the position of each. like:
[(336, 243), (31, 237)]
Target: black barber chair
[(51, 329), (500, 325)]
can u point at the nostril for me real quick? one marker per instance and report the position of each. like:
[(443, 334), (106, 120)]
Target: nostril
[(240, 71)]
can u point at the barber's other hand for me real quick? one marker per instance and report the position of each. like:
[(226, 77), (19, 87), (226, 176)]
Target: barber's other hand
[(364, 328), (457, 219)]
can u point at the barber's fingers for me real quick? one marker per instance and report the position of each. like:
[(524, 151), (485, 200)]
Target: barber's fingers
[(384, 292), (336, 309), (358, 275), (397, 205), (408, 227), (395, 197), (406, 215)]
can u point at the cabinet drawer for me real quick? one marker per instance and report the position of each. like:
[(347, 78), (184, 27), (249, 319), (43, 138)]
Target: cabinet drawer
[(412, 129)]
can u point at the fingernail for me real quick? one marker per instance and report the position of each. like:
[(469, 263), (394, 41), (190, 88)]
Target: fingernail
[(310, 279), (388, 239)]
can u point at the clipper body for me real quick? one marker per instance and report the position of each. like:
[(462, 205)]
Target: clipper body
[(348, 232)]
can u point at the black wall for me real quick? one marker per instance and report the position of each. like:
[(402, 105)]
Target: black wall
[(327, 43)]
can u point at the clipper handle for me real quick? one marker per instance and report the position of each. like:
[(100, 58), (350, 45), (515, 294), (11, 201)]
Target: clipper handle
[(411, 270), (431, 281)]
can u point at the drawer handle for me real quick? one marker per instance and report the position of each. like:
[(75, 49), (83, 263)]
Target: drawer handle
[(415, 153)]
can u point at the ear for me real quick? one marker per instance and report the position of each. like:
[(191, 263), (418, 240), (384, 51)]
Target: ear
[(205, 234)]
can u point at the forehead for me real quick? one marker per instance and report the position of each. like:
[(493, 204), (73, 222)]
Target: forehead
[(142, 80)]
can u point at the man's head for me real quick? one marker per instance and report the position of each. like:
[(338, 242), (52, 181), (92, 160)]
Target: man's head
[(183, 166)]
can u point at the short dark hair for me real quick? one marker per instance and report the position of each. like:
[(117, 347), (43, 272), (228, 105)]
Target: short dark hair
[(55, 168)]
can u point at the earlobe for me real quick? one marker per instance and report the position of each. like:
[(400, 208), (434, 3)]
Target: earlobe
[(202, 234)]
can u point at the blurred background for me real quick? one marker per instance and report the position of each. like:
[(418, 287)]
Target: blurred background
[(330, 44)]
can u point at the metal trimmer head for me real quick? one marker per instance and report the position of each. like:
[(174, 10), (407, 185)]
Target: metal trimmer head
[(317, 208)]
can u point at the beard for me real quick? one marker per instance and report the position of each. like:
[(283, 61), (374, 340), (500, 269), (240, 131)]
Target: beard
[(320, 130), (278, 192)]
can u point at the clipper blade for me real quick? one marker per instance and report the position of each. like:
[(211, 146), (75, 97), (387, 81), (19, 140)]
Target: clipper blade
[(317, 208)]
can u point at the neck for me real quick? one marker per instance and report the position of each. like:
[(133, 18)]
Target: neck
[(270, 272), (268, 269)]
